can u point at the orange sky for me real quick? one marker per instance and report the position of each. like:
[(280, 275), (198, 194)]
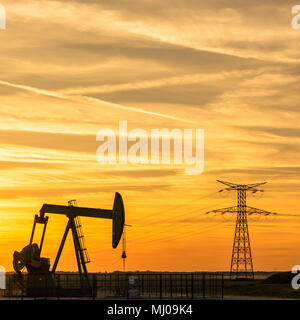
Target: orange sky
[(231, 70)]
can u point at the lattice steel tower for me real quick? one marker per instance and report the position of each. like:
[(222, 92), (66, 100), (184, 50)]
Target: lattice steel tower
[(241, 259)]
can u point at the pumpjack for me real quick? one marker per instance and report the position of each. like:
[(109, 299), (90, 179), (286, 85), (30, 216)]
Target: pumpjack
[(40, 280)]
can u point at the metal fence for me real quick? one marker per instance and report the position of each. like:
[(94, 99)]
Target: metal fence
[(118, 285)]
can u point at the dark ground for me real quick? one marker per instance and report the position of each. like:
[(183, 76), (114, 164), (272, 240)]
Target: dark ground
[(277, 286)]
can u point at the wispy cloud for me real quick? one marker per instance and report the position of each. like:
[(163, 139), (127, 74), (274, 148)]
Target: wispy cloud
[(69, 68), (90, 100), (157, 83)]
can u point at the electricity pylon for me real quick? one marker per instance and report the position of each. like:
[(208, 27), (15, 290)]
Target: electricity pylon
[(241, 259)]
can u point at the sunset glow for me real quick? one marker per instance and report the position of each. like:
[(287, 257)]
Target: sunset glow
[(71, 68)]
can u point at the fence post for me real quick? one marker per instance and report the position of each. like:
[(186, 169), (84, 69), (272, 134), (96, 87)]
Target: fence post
[(57, 286), (171, 285), (186, 285), (127, 287), (222, 286), (181, 285), (160, 286), (203, 285), (110, 284), (104, 280), (192, 286), (94, 286)]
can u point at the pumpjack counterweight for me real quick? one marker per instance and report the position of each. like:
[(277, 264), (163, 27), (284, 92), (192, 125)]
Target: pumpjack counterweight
[(241, 259)]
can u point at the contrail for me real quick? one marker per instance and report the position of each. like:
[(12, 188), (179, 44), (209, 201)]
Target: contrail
[(155, 83), (32, 89), (90, 100)]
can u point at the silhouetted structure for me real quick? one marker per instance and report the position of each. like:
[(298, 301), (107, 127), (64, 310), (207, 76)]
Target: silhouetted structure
[(241, 260), (124, 255), (40, 278)]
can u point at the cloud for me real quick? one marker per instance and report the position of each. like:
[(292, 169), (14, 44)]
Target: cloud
[(282, 172), (47, 140), (90, 100), (148, 173), (230, 68), (64, 192), (196, 78), (281, 132)]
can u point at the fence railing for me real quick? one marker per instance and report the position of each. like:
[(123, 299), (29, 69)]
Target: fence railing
[(118, 285)]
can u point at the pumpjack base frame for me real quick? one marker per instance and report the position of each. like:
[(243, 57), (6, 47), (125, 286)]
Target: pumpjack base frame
[(45, 285)]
